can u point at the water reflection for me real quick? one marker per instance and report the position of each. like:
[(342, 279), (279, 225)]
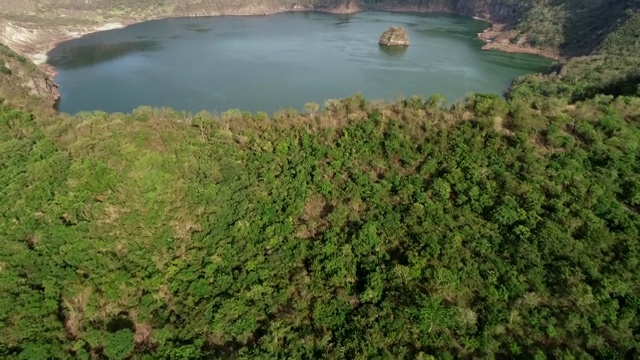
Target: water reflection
[(267, 63), (395, 51), (343, 19), (70, 56), (198, 28)]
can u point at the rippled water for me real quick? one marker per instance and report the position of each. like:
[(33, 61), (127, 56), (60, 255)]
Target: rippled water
[(265, 63)]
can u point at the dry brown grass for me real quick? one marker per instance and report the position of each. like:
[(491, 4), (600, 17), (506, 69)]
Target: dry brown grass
[(75, 308), (314, 216), (142, 334)]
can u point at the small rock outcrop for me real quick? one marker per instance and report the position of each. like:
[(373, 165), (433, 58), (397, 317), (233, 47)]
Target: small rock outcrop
[(395, 36)]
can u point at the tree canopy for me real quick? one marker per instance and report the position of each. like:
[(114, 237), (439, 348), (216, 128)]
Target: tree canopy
[(489, 228), (407, 230)]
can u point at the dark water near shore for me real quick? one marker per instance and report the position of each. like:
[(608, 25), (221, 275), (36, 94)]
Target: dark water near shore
[(265, 63)]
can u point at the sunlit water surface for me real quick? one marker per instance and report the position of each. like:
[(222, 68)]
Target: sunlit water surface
[(266, 63)]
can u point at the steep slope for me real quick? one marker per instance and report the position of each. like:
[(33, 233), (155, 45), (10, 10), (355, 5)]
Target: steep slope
[(24, 84), (612, 68), (490, 230), (575, 27)]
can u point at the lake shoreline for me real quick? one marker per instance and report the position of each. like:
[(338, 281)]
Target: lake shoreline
[(35, 42), (495, 40), (279, 61), (36, 48)]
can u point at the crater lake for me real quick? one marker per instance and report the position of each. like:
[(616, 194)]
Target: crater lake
[(267, 63)]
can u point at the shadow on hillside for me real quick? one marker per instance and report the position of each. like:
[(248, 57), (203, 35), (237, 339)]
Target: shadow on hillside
[(69, 56), (629, 85), (587, 23)]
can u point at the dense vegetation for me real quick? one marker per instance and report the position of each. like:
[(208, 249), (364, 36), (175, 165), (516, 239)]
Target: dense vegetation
[(612, 68), (576, 27), (490, 228)]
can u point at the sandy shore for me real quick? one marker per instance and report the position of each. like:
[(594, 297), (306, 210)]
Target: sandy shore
[(499, 39)]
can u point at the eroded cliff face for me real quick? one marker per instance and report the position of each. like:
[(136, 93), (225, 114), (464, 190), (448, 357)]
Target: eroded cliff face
[(29, 73), (42, 86), (34, 40), (24, 84)]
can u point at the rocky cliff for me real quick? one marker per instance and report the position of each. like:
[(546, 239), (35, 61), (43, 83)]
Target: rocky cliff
[(394, 36), (23, 83)]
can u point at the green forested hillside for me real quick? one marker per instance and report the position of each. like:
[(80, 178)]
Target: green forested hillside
[(489, 228), (400, 231), (576, 27), (612, 68)]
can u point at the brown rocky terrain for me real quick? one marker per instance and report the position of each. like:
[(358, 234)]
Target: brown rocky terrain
[(394, 36)]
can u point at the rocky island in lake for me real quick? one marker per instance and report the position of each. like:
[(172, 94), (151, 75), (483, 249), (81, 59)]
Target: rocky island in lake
[(395, 36)]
